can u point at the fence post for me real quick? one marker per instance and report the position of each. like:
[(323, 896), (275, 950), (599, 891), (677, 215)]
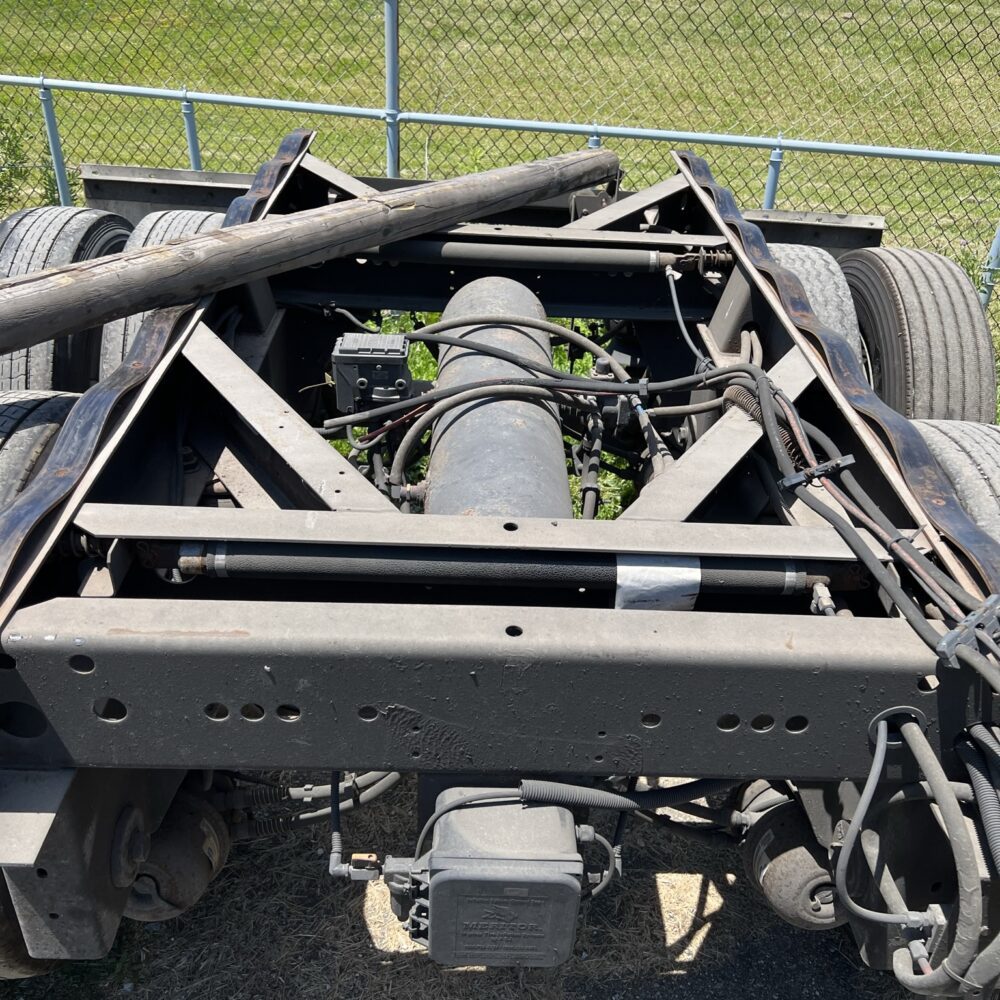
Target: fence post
[(55, 145), (773, 175), (991, 271), (594, 142), (391, 15), (191, 133)]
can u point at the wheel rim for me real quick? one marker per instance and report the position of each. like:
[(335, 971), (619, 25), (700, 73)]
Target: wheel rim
[(871, 361)]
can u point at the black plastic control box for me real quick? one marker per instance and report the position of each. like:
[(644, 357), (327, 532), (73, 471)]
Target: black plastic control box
[(502, 884), (370, 368)]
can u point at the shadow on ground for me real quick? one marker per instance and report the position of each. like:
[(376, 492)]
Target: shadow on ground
[(683, 924)]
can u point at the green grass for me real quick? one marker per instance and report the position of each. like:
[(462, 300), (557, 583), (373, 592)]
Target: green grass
[(889, 72), (898, 72)]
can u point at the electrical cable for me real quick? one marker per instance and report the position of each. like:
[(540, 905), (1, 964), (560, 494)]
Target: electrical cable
[(612, 868), (590, 488), (470, 395), (908, 919), (986, 795), (591, 386), (965, 942), (271, 825), (672, 276), (490, 794)]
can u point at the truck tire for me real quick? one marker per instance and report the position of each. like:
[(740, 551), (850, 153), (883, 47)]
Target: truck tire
[(38, 238), (29, 422), (825, 287), (969, 454), (925, 334), (153, 230)]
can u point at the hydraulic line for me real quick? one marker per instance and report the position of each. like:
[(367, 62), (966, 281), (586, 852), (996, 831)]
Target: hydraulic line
[(708, 835), (686, 409), (578, 384), (590, 489), (337, 868), (699, 355), (908, 919), (271, 825), (871, 847), (555, 793), (986, 796), (906, 606), (970, 897), (263, 794), (991, 750), (426, 419), (612, 868), (953, 589)]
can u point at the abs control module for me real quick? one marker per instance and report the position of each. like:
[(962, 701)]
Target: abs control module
[(500, 885)]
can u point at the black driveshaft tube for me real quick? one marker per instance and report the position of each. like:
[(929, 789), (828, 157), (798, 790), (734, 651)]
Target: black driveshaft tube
[(501, 457)]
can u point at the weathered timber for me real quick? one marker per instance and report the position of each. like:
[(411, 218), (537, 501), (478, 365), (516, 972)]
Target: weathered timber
[(64, 300)]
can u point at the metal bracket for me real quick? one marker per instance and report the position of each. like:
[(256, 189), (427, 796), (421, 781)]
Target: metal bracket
[(981, 625), (806, 476)]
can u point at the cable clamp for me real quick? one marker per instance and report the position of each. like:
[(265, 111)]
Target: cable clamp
[(981, 625), (971, 988), (355, 793), (900, 537), (806, 476)]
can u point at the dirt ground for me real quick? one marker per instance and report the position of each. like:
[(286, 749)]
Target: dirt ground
[(684, 923)]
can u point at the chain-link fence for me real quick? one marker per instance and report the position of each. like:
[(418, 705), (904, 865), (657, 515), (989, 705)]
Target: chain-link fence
[(910, 73)]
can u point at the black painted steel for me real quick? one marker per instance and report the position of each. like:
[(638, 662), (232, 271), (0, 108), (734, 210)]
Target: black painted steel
[(497, 456), (922, 473), (471, 688)]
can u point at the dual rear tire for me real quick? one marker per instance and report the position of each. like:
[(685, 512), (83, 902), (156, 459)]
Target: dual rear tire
[(40, 238), (916, 323)]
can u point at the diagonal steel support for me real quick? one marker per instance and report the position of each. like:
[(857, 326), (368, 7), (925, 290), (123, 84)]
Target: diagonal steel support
[(311, 469), (642, 201)]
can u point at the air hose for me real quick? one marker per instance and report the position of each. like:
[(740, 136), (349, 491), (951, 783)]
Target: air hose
[(536, 792), (943, 979), (986, 796)]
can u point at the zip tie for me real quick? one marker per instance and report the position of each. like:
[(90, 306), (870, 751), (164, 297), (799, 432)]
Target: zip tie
[(959, 979), (806, 476), (981, 625)]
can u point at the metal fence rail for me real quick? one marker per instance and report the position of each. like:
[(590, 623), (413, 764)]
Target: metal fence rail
[(888, 108)]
